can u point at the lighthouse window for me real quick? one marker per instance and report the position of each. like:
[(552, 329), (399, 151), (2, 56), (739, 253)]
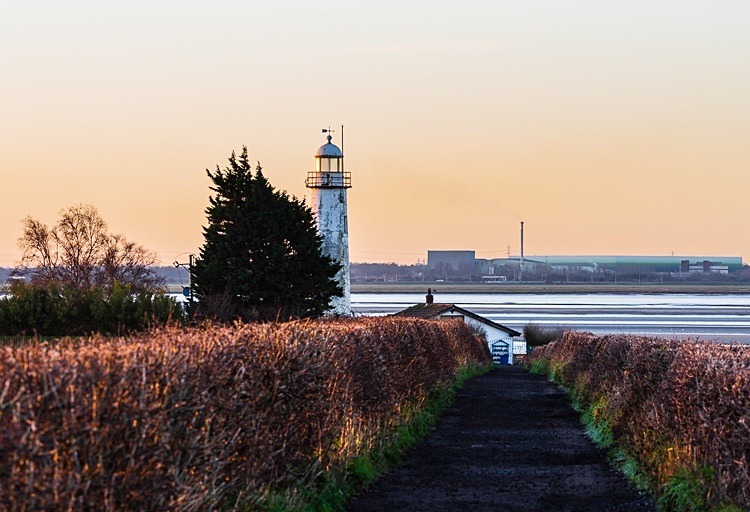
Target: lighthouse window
[(329, 164)]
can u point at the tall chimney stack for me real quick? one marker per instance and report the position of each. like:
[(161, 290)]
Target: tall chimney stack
[(520, 277)]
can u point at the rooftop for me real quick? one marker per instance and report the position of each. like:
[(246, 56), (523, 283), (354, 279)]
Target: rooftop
[(425, 310)]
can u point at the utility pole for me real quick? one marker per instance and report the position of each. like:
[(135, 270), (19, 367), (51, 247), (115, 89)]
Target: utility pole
[(188, 292)]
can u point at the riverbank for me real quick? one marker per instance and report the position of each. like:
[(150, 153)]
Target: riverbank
[(511, 288)]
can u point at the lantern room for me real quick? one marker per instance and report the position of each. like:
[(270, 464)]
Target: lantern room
[(329, 168)]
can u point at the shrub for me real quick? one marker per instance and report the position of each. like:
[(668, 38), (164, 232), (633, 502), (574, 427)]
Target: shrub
[(680, 409), (213, 417), (537, 335), (53, 311)]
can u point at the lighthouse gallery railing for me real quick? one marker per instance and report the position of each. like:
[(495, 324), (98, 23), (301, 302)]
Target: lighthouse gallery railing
[(323, 179)]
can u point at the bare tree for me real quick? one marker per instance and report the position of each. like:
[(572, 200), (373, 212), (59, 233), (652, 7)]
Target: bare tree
[(79, 252), (124, 261)]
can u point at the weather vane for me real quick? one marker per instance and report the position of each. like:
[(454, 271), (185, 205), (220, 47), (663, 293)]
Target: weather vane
[(328, 130)]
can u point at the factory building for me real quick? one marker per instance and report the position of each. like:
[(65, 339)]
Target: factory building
[(668, 264), (456, 263)]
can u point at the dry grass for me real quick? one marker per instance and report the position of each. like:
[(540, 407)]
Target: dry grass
[(212, 417), (674, 406)]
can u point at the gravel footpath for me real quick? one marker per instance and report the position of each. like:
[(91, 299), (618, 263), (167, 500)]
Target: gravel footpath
[(510, 442)]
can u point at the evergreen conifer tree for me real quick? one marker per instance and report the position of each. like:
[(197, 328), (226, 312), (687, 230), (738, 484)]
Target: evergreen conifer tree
[(261, 258)]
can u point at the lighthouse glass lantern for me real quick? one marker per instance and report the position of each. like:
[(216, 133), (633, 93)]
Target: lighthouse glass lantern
[(329, 168)]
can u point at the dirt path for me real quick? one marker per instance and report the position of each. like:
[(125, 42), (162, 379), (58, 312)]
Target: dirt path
[(510, 442)]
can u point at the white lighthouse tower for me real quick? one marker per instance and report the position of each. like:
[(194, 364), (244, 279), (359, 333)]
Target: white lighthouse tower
[(328, 184)]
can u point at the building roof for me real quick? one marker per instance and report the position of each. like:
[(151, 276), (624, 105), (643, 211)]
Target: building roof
[(437, 310), (425, 310)]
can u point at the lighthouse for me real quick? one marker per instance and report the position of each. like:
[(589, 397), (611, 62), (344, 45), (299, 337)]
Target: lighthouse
[(327, 185)]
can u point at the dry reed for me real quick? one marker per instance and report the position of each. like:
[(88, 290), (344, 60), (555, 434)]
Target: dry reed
[(673, 405), (211, 417)]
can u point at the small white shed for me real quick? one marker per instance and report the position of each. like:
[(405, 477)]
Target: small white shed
[(502, 341)]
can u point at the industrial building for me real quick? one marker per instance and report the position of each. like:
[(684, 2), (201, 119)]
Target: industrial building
[(671, 264), (457, 263)]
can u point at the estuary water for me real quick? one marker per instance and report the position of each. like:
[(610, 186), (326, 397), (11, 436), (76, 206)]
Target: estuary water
[(706, 317)]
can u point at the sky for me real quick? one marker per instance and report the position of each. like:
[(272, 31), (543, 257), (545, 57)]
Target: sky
[(608, 127)]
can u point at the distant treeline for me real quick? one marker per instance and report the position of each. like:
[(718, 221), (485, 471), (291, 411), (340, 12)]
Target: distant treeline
[(170, 274), (386, 272), (394, 272)]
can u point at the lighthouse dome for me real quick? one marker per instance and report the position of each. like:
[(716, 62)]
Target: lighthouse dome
[(328, 150)]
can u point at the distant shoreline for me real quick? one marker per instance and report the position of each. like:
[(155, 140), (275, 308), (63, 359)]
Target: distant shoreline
[(582, 288)]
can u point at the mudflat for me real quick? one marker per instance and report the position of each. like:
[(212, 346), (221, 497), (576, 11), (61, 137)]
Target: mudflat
[(510, 442)]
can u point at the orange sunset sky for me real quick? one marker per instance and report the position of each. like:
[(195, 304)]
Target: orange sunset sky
[(608, 127)]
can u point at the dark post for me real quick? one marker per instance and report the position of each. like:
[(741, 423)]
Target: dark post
[(189, 289), (190, 277)]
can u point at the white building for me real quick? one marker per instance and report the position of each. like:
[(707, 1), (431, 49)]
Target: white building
[(504, 343), (327, 185)]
